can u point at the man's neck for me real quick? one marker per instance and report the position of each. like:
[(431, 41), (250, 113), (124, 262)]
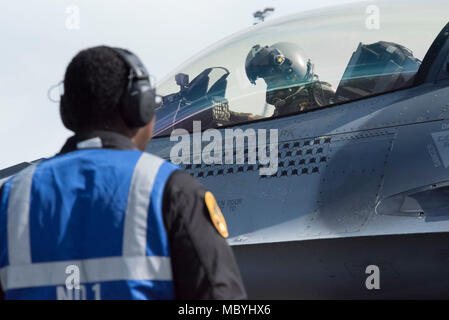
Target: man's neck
[(109, 140)]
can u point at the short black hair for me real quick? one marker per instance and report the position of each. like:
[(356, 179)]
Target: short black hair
[(94, 83)]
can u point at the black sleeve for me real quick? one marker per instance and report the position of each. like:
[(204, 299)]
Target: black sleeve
[(203, 264)]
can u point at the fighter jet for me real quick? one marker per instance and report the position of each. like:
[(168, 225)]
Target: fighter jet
[(358, 96), (359, 205)]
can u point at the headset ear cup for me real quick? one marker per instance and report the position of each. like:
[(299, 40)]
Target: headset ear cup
[(129, 110), (148, 105), (138, 106)]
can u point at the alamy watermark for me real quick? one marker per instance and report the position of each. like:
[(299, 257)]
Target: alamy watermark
[(373, 280), (72, 21), (262, 147), (372, 21), (73, 289)]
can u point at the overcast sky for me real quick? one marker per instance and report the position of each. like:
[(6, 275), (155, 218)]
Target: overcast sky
[(41, 36)]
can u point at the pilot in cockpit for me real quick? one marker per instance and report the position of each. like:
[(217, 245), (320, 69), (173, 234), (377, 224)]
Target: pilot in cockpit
[(292, 85)]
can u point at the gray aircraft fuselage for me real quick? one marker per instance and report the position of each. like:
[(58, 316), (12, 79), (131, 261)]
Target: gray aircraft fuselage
[(359, 184)]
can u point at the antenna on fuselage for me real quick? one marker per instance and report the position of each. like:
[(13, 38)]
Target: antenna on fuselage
[(260, 15)]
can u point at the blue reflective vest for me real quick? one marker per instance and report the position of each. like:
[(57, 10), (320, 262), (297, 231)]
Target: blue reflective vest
[(86, 225)]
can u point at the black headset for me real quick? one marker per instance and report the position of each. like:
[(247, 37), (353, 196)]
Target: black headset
[(138, 103)]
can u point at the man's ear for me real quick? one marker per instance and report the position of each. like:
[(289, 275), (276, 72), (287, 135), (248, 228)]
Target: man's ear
[(144, 135)]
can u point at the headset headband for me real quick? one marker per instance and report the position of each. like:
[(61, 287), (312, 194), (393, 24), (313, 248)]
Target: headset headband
[(134, 63)]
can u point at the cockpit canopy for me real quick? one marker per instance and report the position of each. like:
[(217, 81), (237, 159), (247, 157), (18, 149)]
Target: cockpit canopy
[(357, 50)]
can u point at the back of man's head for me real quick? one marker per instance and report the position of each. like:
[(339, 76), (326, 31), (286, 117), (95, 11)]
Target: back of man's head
[(94, 83)]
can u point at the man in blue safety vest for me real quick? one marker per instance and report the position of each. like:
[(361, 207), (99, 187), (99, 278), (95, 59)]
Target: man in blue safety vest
[(104, 220)]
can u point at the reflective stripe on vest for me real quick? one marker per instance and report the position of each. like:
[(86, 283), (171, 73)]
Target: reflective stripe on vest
[(134, 264)]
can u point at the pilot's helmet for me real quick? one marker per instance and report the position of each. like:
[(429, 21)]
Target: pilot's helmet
[(281, 65)]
